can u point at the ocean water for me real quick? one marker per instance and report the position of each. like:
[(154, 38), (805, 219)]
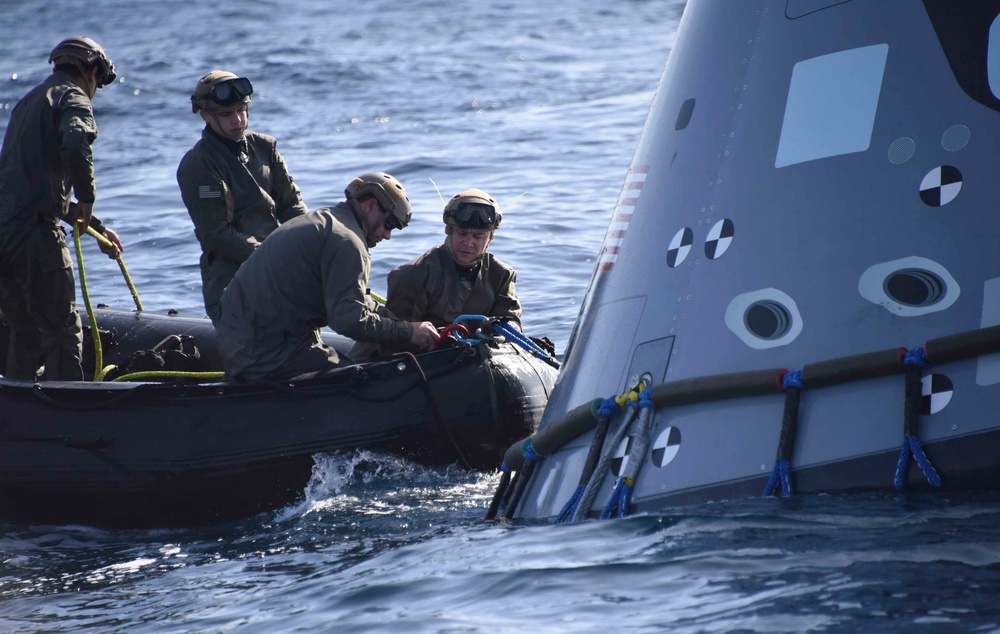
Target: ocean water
[(541, 106)]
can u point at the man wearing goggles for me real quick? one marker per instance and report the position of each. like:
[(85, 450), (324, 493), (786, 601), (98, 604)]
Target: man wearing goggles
[(313, 272), (458, 277), (47, 159), (234, 183)]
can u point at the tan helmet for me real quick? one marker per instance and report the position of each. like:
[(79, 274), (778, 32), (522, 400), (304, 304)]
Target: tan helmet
[(84, 53), (388, 192), (473, 209), (220, 89)]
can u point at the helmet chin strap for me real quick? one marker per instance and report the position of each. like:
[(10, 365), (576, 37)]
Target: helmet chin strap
[(371, 226), (90, 78)]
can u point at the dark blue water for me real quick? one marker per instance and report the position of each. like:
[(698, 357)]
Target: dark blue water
[(513, 97)]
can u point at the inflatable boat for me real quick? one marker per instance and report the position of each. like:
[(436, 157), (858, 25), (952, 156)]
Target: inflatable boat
[(799, 290), (170, 448)]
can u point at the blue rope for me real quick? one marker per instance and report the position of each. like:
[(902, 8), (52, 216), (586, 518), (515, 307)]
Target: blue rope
[(925, 465), (517, 337), (902, 464), (786, 478), (772, 482), (618, 503), (624, 500), (917, 356), (529, 451), (609, 407), (792, 379), (782, 473), (567, 511), (645, 398), (911, 447), (612, 504)]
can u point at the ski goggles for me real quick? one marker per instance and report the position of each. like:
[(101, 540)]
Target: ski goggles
[(475, 214), (230, 91)]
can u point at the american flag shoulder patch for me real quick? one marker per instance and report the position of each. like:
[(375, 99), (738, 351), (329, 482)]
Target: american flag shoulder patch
[(209, 191)]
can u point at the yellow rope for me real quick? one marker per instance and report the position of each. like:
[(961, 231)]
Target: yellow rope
[(121, 265), (95, 334), (631, 395)]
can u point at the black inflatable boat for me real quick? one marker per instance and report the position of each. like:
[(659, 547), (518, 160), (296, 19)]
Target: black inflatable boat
[(171, 452)]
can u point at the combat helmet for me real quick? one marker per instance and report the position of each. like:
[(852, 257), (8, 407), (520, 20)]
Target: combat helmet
[(473, 209), (84, 53), (220, 89), (388, 192)]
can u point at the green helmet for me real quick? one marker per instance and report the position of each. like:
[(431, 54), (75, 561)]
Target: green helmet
[(220, 89), (388, 192), (84, 53), (473, 209)]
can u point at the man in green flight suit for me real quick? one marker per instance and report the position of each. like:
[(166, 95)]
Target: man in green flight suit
[(312, 272), (234, 183), (458, 277), (47, 158)]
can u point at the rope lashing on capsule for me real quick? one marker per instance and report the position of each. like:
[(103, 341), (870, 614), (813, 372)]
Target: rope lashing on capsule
[(604, 410), (511, 488), (621, 496), (792, 384), (914, 361), (523, 477)]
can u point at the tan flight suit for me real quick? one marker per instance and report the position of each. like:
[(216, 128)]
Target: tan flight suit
[(311, 272), (435, 288), (236, 193)]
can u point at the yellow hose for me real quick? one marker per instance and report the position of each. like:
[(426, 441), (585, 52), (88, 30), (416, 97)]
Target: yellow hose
[(121, 265), (150, 374), (99, 370), (95, 334)]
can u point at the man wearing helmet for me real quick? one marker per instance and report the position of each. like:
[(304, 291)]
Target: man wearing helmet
[(234, 183), (311, 272), (458, 277), (47, 160)]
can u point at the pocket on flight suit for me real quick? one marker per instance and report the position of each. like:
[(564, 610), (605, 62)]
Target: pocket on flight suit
[(51, 287)]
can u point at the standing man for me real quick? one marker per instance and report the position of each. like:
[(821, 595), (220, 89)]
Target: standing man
[(458, 277), (313, 272), (46, 160), (234, 183)]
